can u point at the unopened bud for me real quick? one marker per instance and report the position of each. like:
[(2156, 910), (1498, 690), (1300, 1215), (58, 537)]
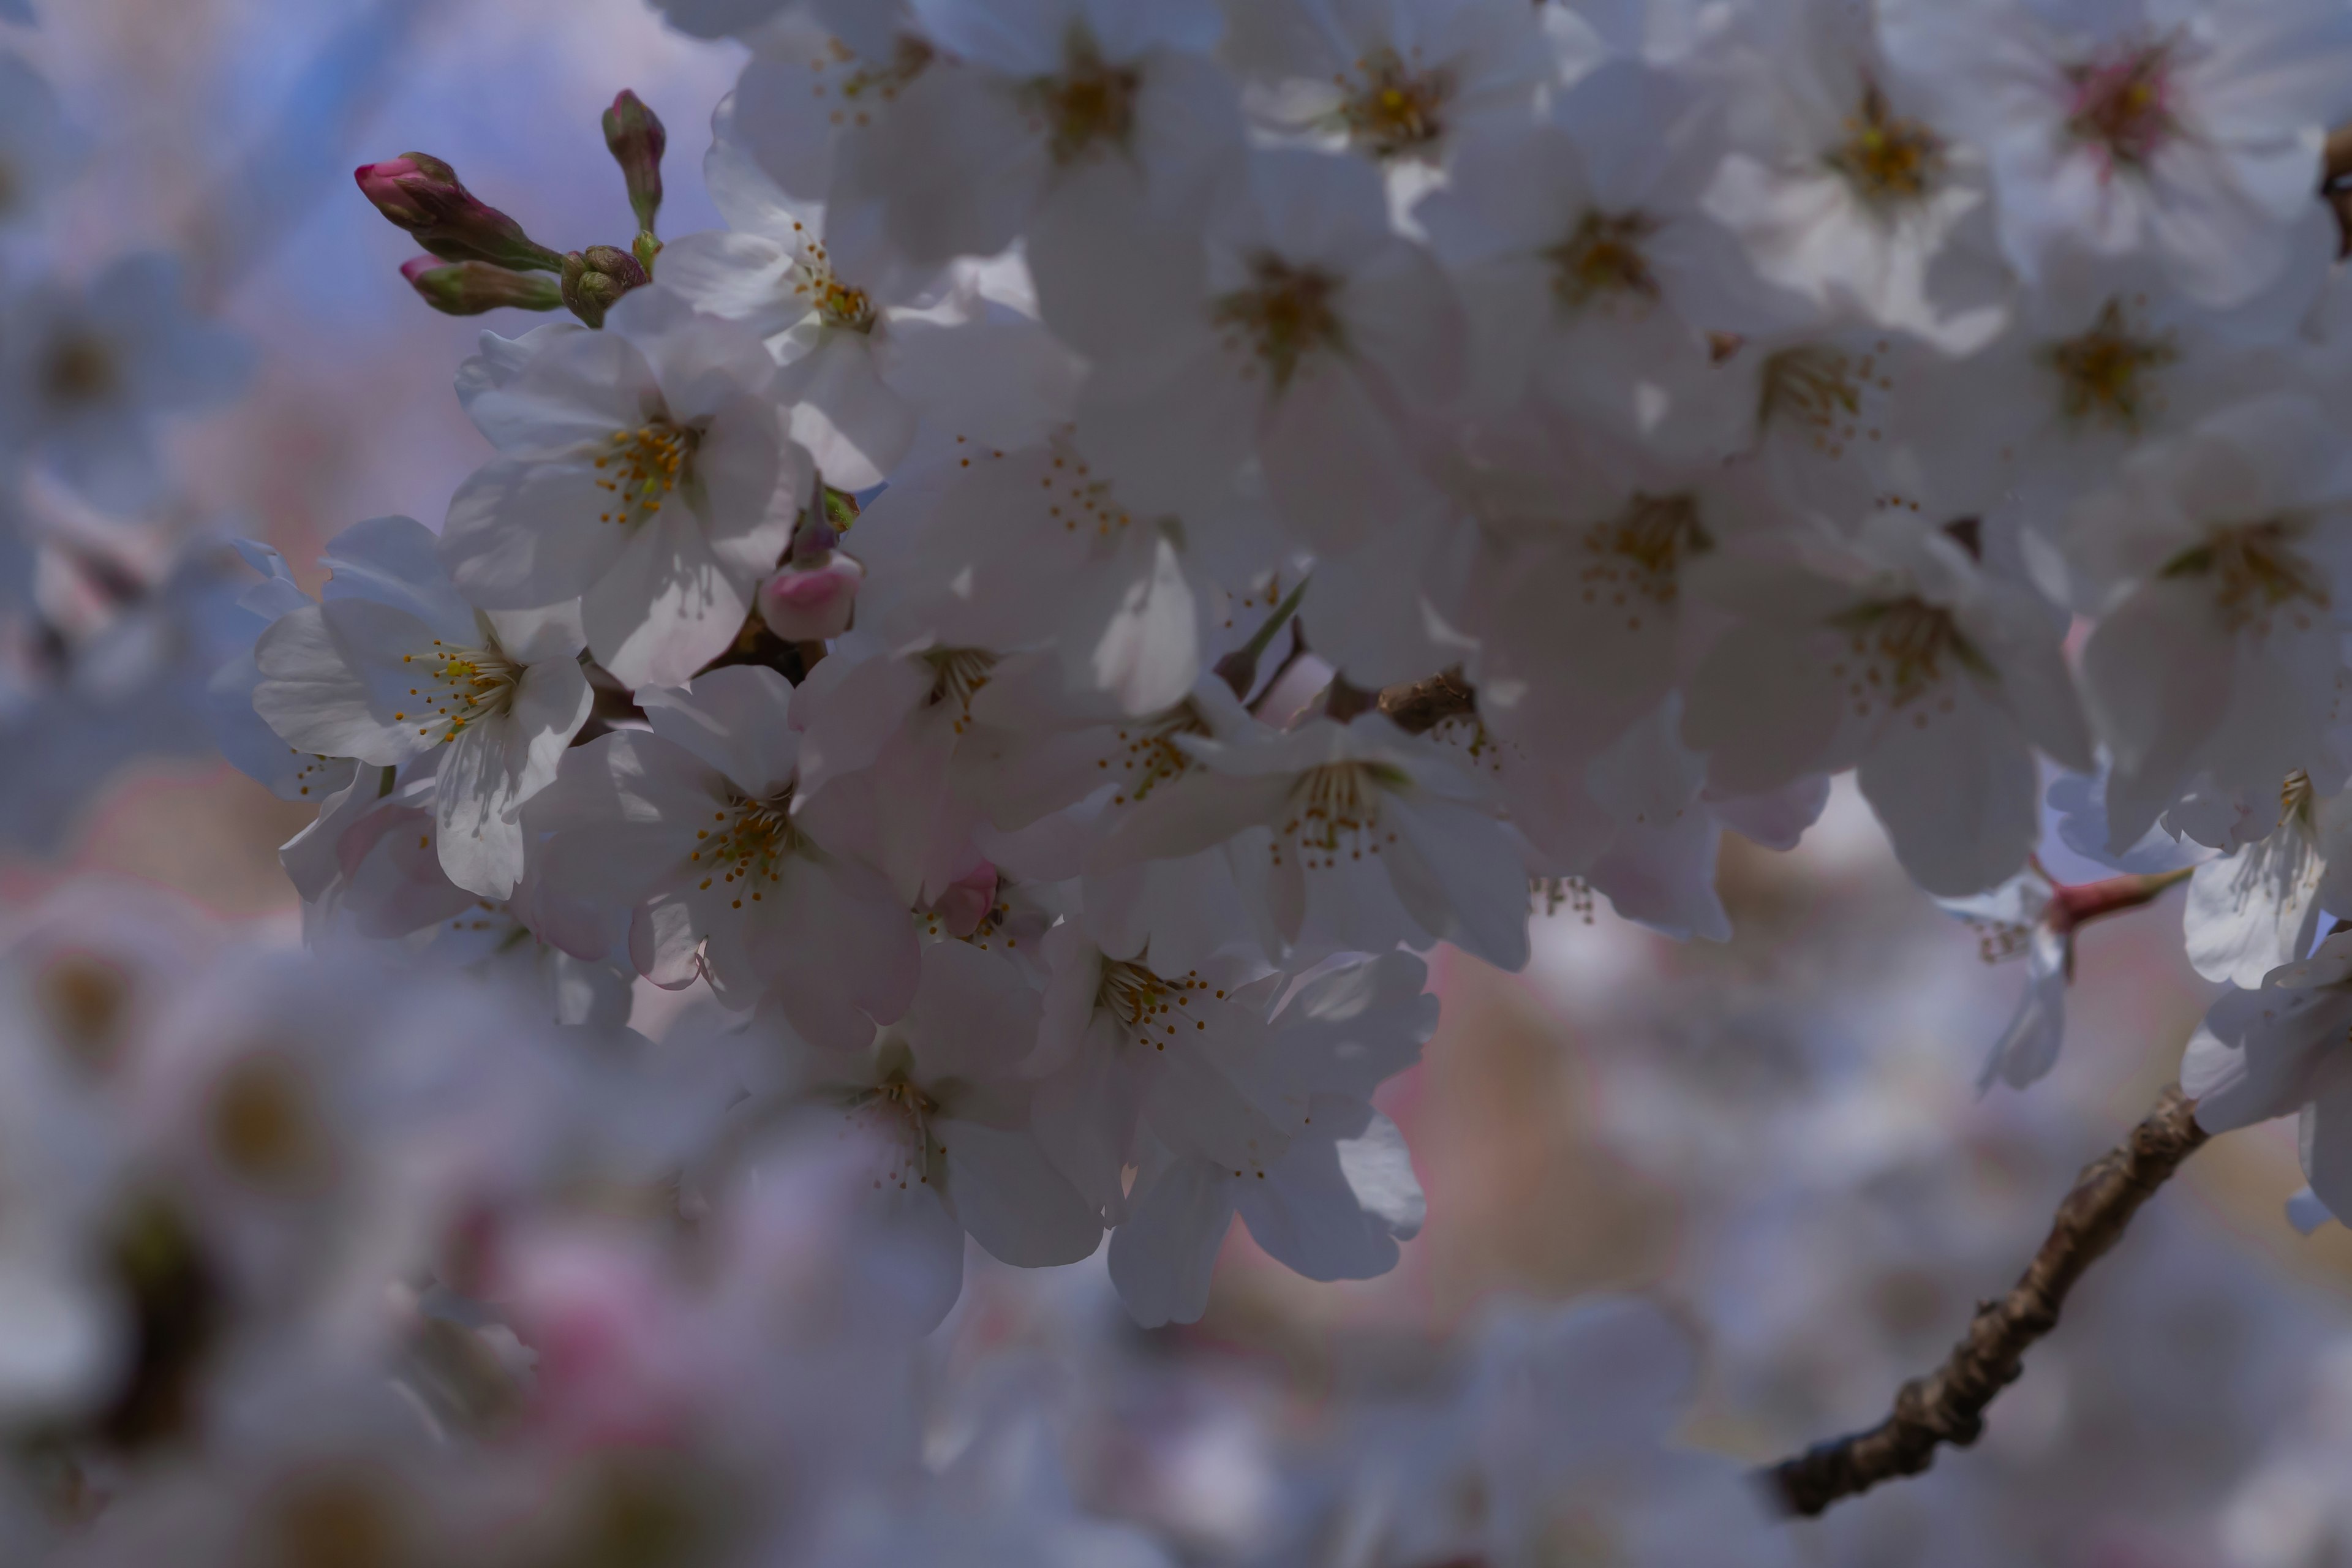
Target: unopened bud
[(967, 902), (423, 195), (808, 602), (636, 137), (470, 288), (595, 278)]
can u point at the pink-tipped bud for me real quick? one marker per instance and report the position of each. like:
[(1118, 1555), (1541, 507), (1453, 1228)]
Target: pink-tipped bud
[(808, 602), (470, 288), (967, 902), (422, 194), (634, 137)]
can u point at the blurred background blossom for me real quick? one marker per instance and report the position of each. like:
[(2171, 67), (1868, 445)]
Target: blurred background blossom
[(1779, 1138)]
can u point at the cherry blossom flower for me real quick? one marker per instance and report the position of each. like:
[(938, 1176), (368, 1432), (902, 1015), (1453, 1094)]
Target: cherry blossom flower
[(86, 375), (1302, 338), (1898, 653), (940, 1093), (2216, 567), (1356, 834), (866, 354), (646, 470), (700, 832), (391, 663), (1035, 102), (2279, 1050), (1847, 193), (2188, 134)]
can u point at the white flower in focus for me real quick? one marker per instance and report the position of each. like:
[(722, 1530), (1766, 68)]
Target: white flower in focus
[(1846, 194), (870, 347), (700, 832), (1356, 834), (2282, 1050), (1305, 338), (2259, 906), (1039, 547), (1228, 1111), (244, 737), (370, 863), (1395, 80), (1588, 275), (2190, 134), (2221, 564), (391, 663), (1586, 635), (1897, 654), (646, 470), (1033, 105)]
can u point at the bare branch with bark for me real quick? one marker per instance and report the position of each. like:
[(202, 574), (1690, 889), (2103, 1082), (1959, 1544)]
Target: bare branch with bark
[(1947, 1406)]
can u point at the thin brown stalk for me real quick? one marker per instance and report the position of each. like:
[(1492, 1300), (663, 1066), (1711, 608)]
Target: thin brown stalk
[(1947, 1406)]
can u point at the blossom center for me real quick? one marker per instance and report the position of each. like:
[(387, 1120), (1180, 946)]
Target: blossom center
[(2255, 571), (1899, 651), (1149, 756), (641, 467), (957, 674), (456, 687), (1819, 389), (879, 81), (1394, 110), (1144, 1002), (1603, 259), (1090, 104), (1640, 552), (747, 848), (2297, 796), (264, 1122), (81, 370), (2107, 373), (836, 304), (1286, 313), (2122, 104), (1336, 806), (1886, 159)]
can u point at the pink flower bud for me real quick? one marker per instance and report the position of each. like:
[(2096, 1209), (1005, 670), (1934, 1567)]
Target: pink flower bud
[(808, 603), (634, 137), (967, 902), (421, 194)]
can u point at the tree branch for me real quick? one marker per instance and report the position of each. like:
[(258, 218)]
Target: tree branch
[(1947, 1406)]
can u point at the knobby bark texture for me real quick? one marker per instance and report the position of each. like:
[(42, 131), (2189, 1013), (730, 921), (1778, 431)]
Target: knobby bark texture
[(1947, 1406)]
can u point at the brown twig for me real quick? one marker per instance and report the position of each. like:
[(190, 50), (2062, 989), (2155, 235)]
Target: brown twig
[(2335, 172), (1947, 1406), (1425, 704)]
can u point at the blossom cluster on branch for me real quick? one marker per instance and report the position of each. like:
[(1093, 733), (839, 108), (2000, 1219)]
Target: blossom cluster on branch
[(1154, 514)]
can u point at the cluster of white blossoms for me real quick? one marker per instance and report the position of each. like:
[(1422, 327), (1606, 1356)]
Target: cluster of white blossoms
[(1154, 508), (317, 1261), (1154, 517), (110, 615)]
